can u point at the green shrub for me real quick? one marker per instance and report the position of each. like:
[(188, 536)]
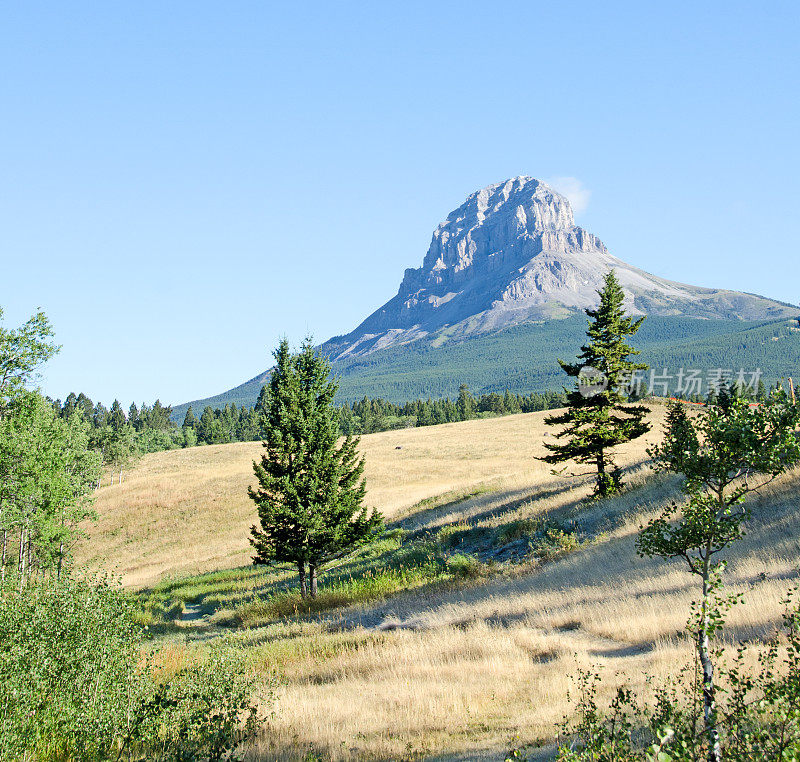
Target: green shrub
[(554, 541), (465, 566), (518, 530), (452, 535), (73, 684), (205, 712)]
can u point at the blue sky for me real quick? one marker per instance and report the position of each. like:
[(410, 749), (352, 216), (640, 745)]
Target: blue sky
[(182, 183)]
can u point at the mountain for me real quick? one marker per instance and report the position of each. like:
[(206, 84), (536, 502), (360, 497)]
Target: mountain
[(501, 294), (512, 254)]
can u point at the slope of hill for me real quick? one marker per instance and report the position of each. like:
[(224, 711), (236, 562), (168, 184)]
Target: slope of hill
[(188, 510), (500, 295), (455, 670)]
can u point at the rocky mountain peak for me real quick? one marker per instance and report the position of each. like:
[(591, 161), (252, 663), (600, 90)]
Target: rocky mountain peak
[(497, 227), (511, 253)]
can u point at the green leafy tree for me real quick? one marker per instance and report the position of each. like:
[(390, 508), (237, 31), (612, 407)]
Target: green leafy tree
[(46, 474), (724, 453), (598, 417), (311, 487), (23, 351), (120, 449)]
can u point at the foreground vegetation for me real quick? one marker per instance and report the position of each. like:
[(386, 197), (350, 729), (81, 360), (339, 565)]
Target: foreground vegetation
[(461, 665), (78, 682), (452, 633)]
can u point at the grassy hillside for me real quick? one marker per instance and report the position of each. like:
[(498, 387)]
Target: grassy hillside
[(471, 658), (523, 359), (188, 510)]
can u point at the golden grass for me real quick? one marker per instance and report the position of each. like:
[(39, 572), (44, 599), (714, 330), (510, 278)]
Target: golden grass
[(187, 511), (470, 670), (460, 672)]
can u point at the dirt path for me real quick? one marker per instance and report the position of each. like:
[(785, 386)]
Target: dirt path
[(195, 622)]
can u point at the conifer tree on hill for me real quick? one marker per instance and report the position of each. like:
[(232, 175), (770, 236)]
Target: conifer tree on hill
[(311, 487), (597, 418)]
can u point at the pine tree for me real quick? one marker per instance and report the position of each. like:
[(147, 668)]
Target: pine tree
[(311, 489), (190, 419), (465, 403), (133, 416), (116, 416), (85, 407), (597, 418)]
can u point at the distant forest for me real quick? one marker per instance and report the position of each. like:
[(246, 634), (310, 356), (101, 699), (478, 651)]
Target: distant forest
[(121, 436), (523, 359)]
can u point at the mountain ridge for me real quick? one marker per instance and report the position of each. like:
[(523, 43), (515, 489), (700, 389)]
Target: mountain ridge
[(511, 262), (512, 253)]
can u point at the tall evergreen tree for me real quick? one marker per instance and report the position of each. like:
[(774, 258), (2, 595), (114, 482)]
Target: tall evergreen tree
[(190, 419), (311, 488), (597, 418), (116, 416), (465, 403), (133, 416)]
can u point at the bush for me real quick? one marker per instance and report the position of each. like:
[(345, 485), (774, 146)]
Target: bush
[(453, 535), (465, 566), (554, 541), (204, 712), (74, 685), (518, 530), (68, 656), (546, 539)]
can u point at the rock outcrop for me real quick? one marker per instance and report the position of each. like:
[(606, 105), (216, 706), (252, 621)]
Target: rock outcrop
[(511, 253)]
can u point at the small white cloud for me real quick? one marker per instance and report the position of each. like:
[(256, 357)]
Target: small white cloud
[(573, 189)]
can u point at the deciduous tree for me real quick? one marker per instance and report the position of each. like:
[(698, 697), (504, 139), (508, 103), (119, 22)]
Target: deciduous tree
[(725, 452)]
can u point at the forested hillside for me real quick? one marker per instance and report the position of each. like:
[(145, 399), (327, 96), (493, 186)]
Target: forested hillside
[(523, 359)]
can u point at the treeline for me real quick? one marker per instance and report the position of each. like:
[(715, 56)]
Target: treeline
[(371, 415), (243, 424), (120, 437)]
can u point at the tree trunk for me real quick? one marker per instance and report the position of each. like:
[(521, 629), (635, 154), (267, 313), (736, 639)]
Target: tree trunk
[(709, 698), (312, 573), (301, 571), (602, 487), (21, 562), (60, 559)]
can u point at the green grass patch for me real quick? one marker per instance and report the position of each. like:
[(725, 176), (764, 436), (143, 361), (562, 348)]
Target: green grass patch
[(370, 586), (252, 596), (465, 566)]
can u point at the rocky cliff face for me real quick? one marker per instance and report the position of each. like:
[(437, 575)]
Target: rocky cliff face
[(511, 253)]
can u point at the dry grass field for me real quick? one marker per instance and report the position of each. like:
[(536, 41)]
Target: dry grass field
[(187, 511), (454, 671)]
